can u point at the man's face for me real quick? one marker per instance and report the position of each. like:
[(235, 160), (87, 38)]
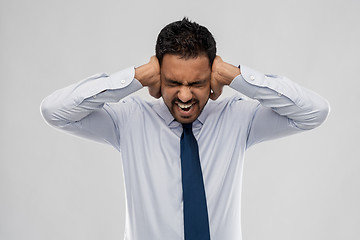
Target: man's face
[(185, 85)]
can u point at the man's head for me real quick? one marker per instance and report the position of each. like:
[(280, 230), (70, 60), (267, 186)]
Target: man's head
[(185, 39), (185, 51)]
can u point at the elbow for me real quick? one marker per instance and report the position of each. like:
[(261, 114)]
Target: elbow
[(48, 112), (316, 117), (322, 113)]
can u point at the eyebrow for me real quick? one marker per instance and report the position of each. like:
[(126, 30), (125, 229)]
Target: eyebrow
[(169, 80), (190, 84)]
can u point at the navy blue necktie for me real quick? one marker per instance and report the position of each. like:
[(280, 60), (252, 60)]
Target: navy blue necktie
[(196, 222)]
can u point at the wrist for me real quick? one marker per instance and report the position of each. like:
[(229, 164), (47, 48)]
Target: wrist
[(228, 72), (144, 74)]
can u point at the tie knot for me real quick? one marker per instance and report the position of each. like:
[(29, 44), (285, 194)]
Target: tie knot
[(187, 125)]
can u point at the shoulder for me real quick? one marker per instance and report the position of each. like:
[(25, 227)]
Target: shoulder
[(129, 107), (237, 101), (229, 107), (134, 102)]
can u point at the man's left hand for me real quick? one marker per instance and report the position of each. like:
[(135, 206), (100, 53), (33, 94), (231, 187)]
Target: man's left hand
[(222, 73)]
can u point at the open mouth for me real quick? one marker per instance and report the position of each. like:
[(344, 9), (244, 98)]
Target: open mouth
[(185, 107)]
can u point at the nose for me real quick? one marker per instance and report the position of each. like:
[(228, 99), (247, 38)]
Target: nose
[(185, 94)]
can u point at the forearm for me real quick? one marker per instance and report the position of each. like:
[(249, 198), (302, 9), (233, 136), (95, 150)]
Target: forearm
[(78, 100), (304, 107)]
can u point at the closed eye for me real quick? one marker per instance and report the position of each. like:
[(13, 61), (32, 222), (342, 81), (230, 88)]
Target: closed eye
[(198, 83), (173, 83), (170, 82)]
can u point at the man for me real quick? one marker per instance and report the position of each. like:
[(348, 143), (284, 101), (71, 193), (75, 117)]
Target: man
[(154, 137)]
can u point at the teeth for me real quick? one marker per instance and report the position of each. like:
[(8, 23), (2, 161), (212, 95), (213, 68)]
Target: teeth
[(184, 105)]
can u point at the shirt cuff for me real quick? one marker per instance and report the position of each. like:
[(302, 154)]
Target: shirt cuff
[(248, 81), (123, 79), (255, 84)]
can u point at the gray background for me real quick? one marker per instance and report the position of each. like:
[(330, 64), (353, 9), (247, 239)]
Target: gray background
[(56, 186)]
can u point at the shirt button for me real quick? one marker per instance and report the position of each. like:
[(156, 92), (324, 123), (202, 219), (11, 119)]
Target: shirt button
[(122, 81), (94, 96), (279, 94), (252, 78)]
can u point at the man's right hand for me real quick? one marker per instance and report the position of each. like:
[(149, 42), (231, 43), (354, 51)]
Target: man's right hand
[(149, 76)]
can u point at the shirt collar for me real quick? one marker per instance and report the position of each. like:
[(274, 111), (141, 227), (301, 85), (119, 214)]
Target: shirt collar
[(163, 111), (205, 112)]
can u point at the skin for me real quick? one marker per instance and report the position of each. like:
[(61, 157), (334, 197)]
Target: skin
[(186, 84)]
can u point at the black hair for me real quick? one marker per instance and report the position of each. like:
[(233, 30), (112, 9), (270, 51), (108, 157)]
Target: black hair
[(186, 39)]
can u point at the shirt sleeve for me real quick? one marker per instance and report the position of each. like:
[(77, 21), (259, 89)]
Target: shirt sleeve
[(284, 107), (83, 108)]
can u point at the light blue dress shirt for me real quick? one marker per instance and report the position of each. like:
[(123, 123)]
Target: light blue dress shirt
[(148, 138)]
